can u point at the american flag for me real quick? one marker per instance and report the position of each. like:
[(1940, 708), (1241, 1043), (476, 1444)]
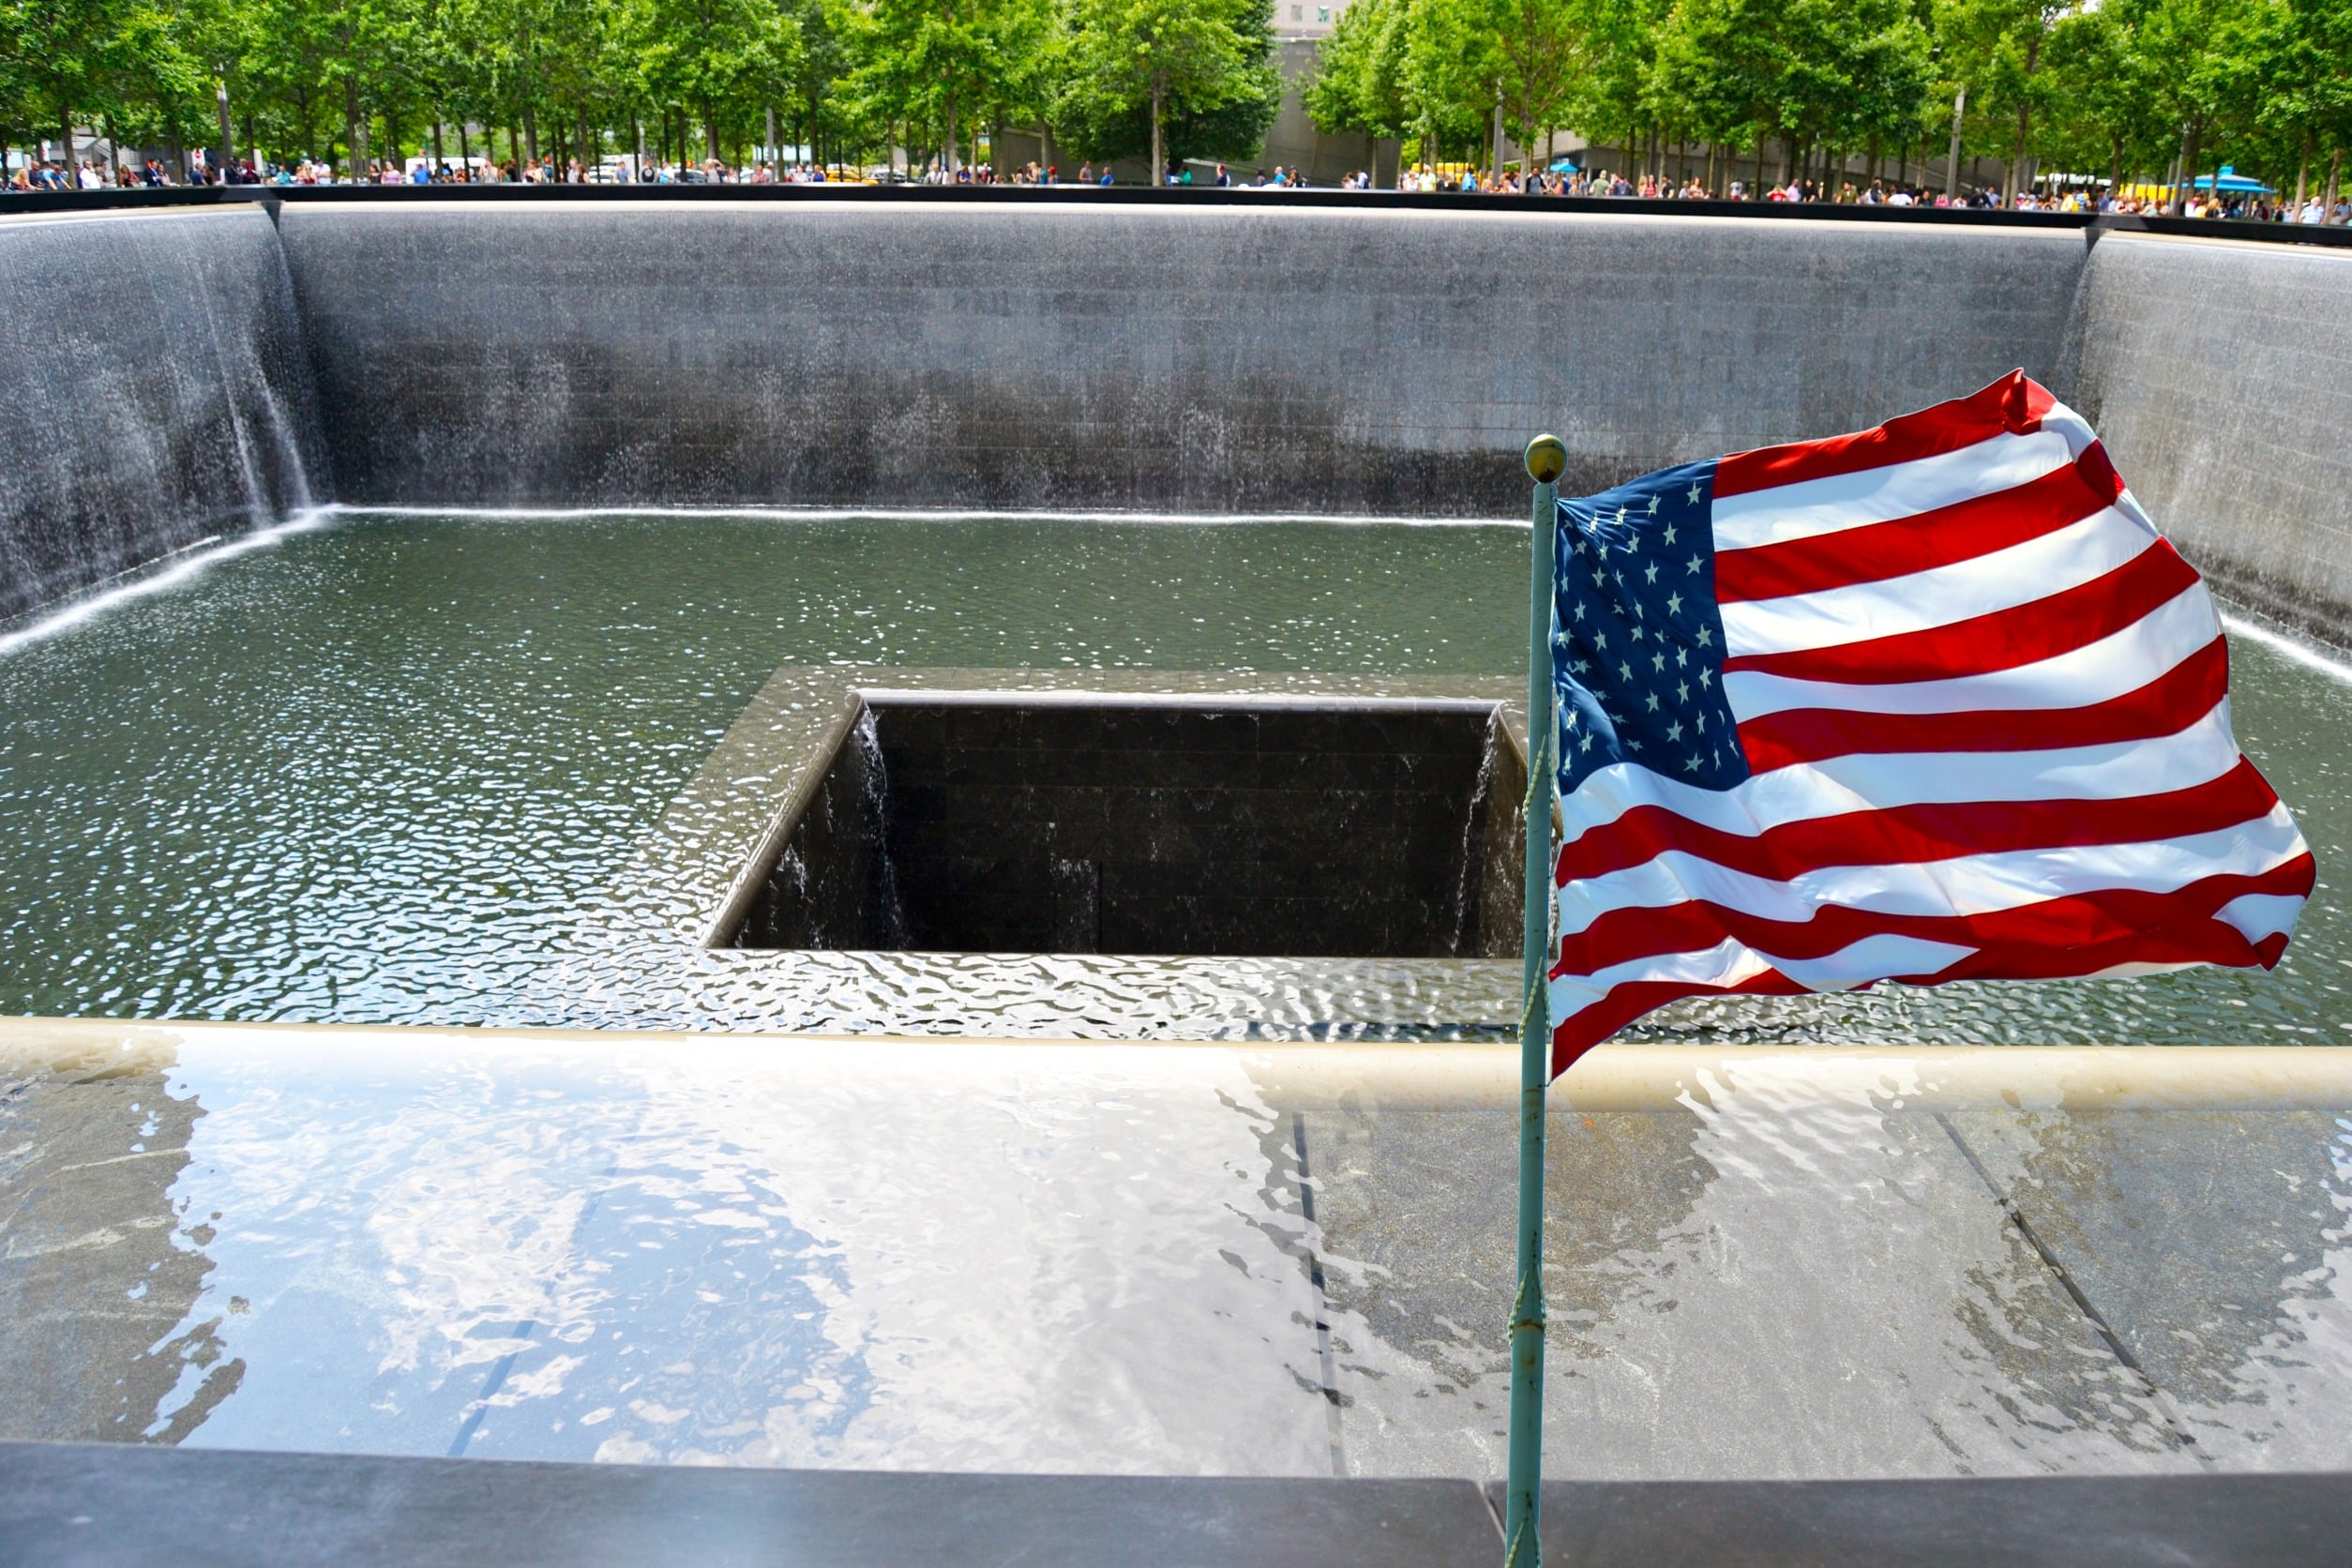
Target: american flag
[(1929, 702)]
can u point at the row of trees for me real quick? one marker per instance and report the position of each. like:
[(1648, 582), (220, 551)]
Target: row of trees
[(684, 79), (2104, 87), (2113, 87)]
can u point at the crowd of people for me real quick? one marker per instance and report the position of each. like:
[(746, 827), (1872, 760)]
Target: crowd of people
[(103, 173)]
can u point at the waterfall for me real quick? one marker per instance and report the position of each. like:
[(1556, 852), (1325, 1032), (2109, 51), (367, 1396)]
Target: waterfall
[(885, 923), (155, 386), (1470, 884)]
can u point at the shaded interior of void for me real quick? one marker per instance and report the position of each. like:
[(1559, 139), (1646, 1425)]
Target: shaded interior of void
[(1173, 826)]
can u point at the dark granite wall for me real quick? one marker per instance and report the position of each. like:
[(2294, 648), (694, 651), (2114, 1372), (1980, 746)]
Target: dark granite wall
[(153, 392), (2219, 377), (1195, 358), (1178, 829)]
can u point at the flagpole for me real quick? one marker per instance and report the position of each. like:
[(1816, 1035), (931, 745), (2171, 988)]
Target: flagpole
[(1546, 460)]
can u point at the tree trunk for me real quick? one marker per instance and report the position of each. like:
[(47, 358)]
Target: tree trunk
[(2335, 167), (2190, 147), (531, 133), (354, 139), (65, 115), (1159, 143), (1758, 189), (1951, 163), (228, 139), (2303, 175), (440, 157), (710, 132), (465, 149), (2025, 119), (947, 162)]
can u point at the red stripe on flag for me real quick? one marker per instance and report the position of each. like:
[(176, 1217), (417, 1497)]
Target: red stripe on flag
[(1583, 1029), (2012, 405), (1998, 640), (1960, 532), (2049, 925), (2185, 938), (2164, 706), (1903, 835)]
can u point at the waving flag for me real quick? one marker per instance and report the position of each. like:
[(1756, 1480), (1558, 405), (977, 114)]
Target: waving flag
[(1929, 702)]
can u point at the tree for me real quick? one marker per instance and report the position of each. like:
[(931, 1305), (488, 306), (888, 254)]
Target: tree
[(1718, 70), (1542, 47), (934, 63), (2104, 112), (2177, 36), (1181, 77), (2303, 93), (59, 54)]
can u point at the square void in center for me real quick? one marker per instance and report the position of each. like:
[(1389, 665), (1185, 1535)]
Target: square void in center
[(1186, 826)]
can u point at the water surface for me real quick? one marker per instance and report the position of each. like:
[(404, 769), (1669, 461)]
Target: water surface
[(389, 770)]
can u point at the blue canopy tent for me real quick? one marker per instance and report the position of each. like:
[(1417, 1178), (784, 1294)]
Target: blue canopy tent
[(1567, 166), (2232, 183)]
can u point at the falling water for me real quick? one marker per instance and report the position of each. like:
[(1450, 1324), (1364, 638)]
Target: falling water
[(887, 926), (1470, 882), (141, 432)]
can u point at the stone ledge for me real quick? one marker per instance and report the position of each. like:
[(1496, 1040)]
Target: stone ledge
[(129, 1505)]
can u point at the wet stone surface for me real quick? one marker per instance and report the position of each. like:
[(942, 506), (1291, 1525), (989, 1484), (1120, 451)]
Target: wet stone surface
[(1080, 1257), (100, 1271)]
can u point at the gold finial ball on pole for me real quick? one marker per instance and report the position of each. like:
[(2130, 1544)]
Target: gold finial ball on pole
[(1547, 458)]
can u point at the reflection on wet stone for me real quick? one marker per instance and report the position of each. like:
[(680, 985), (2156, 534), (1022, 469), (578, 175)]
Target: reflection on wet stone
[(2212, 1244), (97, 1270)]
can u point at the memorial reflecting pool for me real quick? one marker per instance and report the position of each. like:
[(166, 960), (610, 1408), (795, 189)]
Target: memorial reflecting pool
[(427, 770), (404, 769)]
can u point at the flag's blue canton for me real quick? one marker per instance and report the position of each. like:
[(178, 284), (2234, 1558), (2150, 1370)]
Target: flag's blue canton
[(1637, 640)]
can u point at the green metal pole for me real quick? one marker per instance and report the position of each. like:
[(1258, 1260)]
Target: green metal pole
[(1546, 460)]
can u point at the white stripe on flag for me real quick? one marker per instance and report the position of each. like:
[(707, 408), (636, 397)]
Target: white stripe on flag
[(1729, 962), (2122, 662), (2003, 579), (1816, 506)]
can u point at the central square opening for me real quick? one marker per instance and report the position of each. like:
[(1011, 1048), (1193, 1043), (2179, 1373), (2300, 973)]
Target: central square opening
[(1032, 823)]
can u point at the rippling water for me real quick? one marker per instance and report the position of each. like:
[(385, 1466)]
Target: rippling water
[(390, 768)]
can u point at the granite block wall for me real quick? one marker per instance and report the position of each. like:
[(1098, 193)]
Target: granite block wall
[(2220, 376), (1191, 358)]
